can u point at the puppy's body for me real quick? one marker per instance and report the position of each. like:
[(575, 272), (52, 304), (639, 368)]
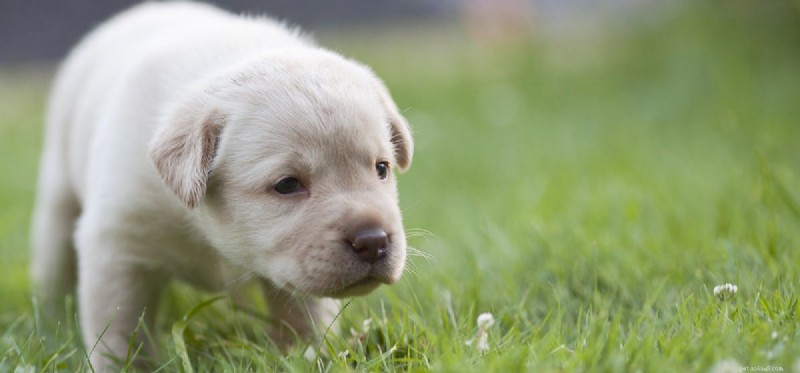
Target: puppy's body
[(169, 132)]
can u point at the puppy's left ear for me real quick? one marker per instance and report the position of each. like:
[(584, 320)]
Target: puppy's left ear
[(183, 149), (401, 132)]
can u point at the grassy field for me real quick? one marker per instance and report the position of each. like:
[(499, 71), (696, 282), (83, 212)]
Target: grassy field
[(587, 191)]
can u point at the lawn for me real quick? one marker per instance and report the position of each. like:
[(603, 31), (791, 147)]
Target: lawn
[(589, 191)]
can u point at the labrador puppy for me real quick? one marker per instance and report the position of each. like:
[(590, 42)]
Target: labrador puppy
[(184, 142)]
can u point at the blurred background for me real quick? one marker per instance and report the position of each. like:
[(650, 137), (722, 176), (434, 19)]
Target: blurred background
[(42, 30)]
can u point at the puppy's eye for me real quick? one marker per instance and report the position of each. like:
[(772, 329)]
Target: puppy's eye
[(383, 170), (288, 185)]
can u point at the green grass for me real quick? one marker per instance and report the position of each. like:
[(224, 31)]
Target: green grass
[(589, 192)]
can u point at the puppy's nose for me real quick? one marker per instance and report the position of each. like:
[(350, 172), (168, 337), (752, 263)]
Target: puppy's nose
[(371, 245)]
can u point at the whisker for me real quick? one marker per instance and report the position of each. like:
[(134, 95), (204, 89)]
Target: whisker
[(240, 280), (411, 269), (419, 232), (412, 251)]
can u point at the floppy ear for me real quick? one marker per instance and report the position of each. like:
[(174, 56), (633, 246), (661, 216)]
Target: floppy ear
[(183, 149), (401, 132), (401, 139)]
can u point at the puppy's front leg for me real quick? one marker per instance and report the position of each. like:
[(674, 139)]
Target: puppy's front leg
[(114, 293), (305, 317)]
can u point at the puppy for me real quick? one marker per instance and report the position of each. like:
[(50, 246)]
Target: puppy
[(187, 143)]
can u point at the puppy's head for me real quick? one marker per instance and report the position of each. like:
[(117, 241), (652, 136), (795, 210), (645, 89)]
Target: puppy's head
[(288, 163)]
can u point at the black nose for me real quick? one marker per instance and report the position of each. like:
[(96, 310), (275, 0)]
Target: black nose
[(371, 245)]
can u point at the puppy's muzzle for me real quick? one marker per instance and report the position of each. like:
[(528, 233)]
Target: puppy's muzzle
[(371, 245)]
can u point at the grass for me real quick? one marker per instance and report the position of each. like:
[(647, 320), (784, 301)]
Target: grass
[(589, 192)]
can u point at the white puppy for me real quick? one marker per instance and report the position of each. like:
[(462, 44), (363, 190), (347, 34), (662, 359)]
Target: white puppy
[(185, 142)]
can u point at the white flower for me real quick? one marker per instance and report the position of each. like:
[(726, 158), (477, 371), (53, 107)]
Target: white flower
[(24, 368), (485, 321), (365, 325), (357, 337), (310, 354), (725, 291), (729, 365)]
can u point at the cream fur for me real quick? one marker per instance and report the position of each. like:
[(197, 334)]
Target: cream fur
[(168, 127)]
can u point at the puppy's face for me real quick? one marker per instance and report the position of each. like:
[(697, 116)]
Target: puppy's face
[(301, 187)]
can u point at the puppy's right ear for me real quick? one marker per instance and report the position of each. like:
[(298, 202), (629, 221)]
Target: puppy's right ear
[(183, 149)]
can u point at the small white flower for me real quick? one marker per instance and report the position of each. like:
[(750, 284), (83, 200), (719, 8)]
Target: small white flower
[(774, 335), (24, 368), (726, 291), (485, 321), (310, 354), (366, 325), (357, 337), (729, 365)]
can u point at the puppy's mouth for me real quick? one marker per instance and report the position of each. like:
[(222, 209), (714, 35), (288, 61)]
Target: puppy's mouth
[(363, 286), (378, 274), (360, 287)]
